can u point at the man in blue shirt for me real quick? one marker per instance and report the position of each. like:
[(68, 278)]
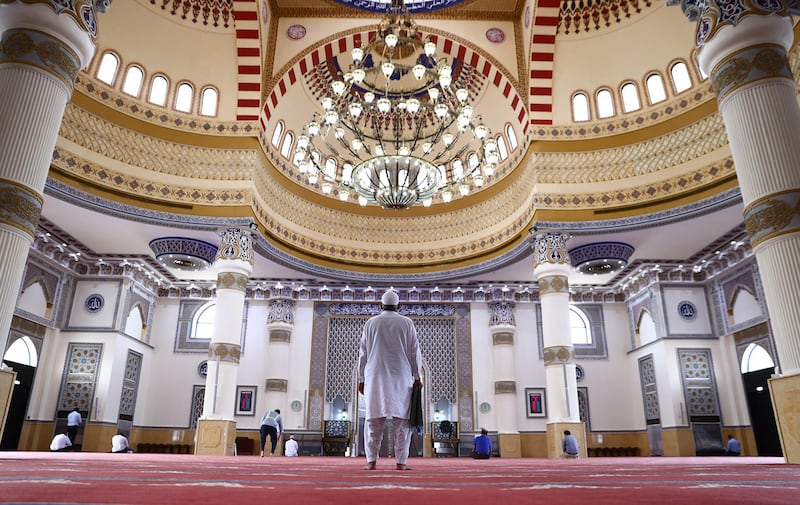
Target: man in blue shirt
[(569, 445), (482, 446), (733, 448)]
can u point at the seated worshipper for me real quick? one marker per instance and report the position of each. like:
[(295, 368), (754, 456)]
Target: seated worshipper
[(119, 443), (569, 445), (482, 446), (290, 448), (60, 443), (733, 448)]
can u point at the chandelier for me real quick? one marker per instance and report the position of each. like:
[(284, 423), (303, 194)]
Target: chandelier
[(394, 129)]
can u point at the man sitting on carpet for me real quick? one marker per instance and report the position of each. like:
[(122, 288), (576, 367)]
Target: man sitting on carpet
[(60, 443), (482, 446), (733, 448), (569, 445), (290, 448), (119, 443)]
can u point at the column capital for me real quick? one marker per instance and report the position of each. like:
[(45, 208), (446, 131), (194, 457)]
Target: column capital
[(237, 245), (550, 246), (74, 23), (711, 15), (502, 313)]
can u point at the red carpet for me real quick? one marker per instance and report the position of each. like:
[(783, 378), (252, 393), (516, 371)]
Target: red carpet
[(130, 479)]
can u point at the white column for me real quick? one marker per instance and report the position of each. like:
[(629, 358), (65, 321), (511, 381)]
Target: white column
[(280, 322), (551, 271), (41, 52), (743, 48), (503, 331), (233, 265)]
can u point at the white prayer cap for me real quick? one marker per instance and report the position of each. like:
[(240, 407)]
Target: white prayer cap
[(390, 298)]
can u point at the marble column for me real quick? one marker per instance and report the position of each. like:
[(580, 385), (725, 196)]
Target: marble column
[(503, 330), (280, 322), (216, 428), (43, 45), (743, 48), (551, 271)]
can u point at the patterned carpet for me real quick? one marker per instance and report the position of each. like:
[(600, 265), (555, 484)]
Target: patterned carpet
[(131, 479)]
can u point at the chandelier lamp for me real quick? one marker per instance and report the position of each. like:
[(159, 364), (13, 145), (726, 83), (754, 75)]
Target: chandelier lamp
[(394, 129)]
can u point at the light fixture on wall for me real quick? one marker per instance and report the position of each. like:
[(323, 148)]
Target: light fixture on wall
[(397, 128)]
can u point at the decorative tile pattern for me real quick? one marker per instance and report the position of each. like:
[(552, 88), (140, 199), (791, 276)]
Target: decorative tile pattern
[(208, 13), (130, 385), (198, 400), (583, 407), (502, 313), (78, 384), (647, 381), (577, 17), (699, 387)]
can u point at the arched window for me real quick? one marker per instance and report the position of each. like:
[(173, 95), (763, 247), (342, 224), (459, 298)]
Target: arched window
[(655, 88), (502, 150), (605, 103), (33, 299), (159, 87), (286, 147), (184, 97), (755, 358), (107, 70), (22, 351), (580, 107), (630, 97), (512, 137), (681, 81), (472, 161), (646, 329), (203, 321), (132, 84), (458, 169), (579, 326), (277, 134), (330, 168), (209, 99)]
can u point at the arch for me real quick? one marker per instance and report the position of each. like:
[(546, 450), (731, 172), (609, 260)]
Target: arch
[(286, 146), (580, 107), (679, 74), (134, 324), (22, 351), (511, 135), (159, 88), (203, 321), (107, 68), (645, 328), (184, 97), (502, 149), (629, 92), (580, 327), (34, 299), (133, 81), (656, 92), (605, 103), (754, 358), (277, 133), (744, 306), (209, 100)]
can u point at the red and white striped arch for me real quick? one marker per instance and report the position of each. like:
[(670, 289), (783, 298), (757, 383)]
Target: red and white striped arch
[(343, 45), (545, 25), (248, 52)]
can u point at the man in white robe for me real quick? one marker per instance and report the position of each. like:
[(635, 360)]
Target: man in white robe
[(389, 364)]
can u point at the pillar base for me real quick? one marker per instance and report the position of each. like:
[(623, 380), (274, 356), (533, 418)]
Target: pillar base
[(555, 434), (215, 437), (785, 392), (510, 446), (7, 378)]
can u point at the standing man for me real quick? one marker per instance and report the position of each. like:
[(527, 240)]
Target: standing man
[(389, 364), (272, 425), (73, 423)]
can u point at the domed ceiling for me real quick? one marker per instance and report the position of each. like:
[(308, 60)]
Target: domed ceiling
[(605, 180)]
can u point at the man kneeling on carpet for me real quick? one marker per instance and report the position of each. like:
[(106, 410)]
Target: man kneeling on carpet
[(482, 446), (119, 443), (60, 443)]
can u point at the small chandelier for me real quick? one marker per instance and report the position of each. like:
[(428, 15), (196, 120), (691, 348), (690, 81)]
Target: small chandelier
[(394, 129)]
